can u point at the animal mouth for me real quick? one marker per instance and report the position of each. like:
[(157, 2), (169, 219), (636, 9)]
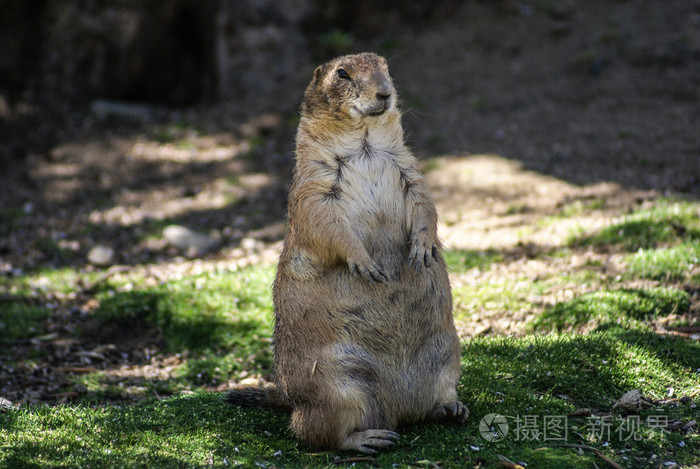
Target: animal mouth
[(378, 109)]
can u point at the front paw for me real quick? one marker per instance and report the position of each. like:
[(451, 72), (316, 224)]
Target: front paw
[(368, 269), (423, 250)]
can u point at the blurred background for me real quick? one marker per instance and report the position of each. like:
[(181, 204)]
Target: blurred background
[(120, 117)]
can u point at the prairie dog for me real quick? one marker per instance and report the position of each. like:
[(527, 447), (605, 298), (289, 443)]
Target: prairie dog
[(364, 338)]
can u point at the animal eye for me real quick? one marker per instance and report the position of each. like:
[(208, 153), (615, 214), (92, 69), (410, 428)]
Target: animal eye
[(343, 74)]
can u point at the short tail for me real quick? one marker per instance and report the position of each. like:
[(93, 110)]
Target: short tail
[(259, 396)]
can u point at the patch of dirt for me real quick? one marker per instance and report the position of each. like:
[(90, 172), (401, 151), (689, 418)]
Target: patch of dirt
[(586, 92), (487, 201), (520, 111)]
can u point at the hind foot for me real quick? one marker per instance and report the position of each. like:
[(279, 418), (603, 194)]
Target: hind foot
[(452, 412), (366, 441)]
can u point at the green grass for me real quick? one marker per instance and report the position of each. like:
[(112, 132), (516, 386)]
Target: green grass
[(220, 325), (526, 378), (224, 320), (21, 320), (623, 305), (557, 374), (666, 221), (496, 296), (211, 311), (194, 431), (572, 209), (42, 281), (670, 264), (462, 260), (662, 241)]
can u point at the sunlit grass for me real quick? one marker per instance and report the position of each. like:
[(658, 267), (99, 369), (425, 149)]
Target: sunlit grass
[(462, 260), (666, 221), (573, 209), (45, 280), (675, 263), (496, 296)]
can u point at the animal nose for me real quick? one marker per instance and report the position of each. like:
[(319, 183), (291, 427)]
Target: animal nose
[(383, 90), (383, 95)]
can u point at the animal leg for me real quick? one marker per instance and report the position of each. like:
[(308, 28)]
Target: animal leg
[(447, 407)]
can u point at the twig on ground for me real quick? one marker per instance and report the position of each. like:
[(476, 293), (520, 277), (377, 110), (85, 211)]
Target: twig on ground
[(510, 465), (76, 369), (91, 287), (505, 462)]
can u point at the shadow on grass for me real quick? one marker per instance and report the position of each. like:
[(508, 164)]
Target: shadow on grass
[(540, 376), (139, 343), (216, 311), (622, 304), (21, 319), (194, 431), (178, 320), (559, 373)]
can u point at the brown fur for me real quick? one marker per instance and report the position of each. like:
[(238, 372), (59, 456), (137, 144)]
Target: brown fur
[(364, 337)]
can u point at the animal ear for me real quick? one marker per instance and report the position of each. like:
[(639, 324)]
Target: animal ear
[(318, 73)]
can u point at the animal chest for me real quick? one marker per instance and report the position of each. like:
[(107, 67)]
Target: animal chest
[(371, 185)]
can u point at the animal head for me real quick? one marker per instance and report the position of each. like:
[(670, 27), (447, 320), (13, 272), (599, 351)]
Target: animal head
[(352, 87)]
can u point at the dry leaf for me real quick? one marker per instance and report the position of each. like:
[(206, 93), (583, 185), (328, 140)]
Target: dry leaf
[(633, 400)]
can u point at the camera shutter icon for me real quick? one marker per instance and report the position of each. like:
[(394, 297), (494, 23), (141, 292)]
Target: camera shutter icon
[(493, 427)]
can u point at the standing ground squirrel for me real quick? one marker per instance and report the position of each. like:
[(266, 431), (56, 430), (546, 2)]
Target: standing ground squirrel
[(364, 337)]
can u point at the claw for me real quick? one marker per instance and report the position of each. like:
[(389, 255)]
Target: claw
[(377, 276), (368, 441), (370, 271), (380, 277), (453, 411), (424, 258), (412, 256)]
